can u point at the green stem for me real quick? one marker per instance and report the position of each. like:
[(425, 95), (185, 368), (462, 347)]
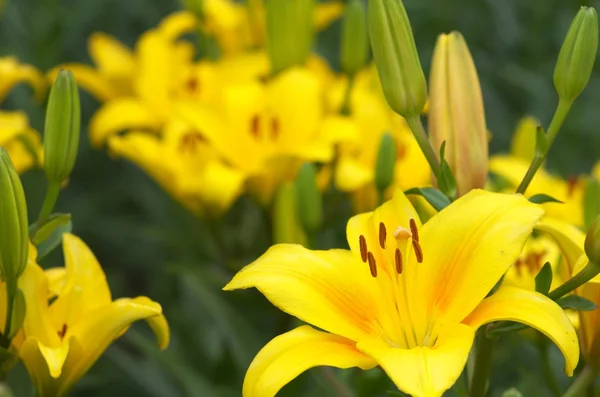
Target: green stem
[(557, 121), (345, 109), (416, 126), (589, 272), (483, 364), (578, 388), (338, 388), (11, 291), (546, 368), (52, 193)]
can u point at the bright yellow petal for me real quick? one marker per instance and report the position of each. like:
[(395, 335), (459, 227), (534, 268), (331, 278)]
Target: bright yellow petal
[(423, 371), (12, 124), (57, 279), (89, 79), (110, 55), (523, 142), (568, 237), (218, 185), (290, 354), (332, 290), (533, 309), (38, 369), (467, 247), (12, 73), (177, 24), (351, 175), (326, 13), (589, 330), (118, 115)]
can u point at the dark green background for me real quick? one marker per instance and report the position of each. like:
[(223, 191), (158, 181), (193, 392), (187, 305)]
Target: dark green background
[(150, 246)]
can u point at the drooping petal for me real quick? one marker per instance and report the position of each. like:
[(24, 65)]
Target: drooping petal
[(424, 371), (14, 73), (38, 369), (110, 56), (533, 309), (568, 237), (119, 115), (466, 248), (89, 79), (332, 290), (326, 13), (177, 24), (589, 329), (290, 354)]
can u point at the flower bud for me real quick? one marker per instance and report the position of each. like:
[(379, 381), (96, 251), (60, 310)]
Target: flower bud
[(14, 241), (289, 32), (456, 113), (396, 57), (310, 204), (286, 225), (355, 38), (386, 162), (577, 55), (592, 242), (61, 134)]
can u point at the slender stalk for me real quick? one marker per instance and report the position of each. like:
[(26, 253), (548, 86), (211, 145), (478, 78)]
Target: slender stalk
[(578, 388), (416, 126), (557, 121), (339, 389), (542, 346), (345, 109), (11, 291), (52, 193), (483, 364), (589, 272)]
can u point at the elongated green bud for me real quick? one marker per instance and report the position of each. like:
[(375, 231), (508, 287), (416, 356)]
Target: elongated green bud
[(14, 241), (396, 57), (286, 225), (310, 204), (592, 242), (386, 163), (63, 122), (355, 38), (577, 55), (289, 32)]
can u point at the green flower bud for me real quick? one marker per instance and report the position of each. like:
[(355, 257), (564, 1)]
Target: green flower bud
[(286, 225), (396, 57), (386, 162), (310, 204), (592, 242), (289, 32), (14, 244), (61, 134), (355, 38), (577, 55)]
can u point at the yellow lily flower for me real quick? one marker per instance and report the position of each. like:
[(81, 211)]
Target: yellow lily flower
[(64, 338), (406, 296), (23, 143), (13, 72)]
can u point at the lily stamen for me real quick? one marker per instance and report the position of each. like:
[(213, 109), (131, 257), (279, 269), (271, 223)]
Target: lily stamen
[(398, 259), (418, 250), (63, 331), (372, 264), (362, 242), (382, 235), (414, 230)]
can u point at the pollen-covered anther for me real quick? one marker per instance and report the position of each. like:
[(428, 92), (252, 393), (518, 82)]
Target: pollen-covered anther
[(62, 332), (382, 235), (362, 243), (372, 264), (418, 251), (402, 233), (414, 230), (398, 260)]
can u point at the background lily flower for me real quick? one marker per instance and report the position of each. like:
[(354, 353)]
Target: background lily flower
[(407, 297), (64, 338)]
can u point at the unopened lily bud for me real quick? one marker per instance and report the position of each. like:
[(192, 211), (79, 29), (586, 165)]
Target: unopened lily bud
[(456, 113), (61, 133), (286, 225), (396, 57), (386, 162), (592, 242), (14, 238), (289, 32), (355, 38), (310, 204), (577, 55)]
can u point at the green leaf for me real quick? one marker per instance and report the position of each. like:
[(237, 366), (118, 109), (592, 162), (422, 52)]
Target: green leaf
[(543, 280), (577, 303), (437, 199), (543, 198), (44, 232), (541, 142), (55, 238), (591, 201), (18, 314), (445, 180)]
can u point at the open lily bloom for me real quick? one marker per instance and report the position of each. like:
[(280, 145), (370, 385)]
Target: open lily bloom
[(406, 296), (64, 338), (12, 72)]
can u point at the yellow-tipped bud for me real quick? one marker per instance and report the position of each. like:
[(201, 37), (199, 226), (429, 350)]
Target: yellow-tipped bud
[(61, 132), (456, 114), (592, 242), (396, 57), (355, 38), (577, 55), (14, 241), (290, 32)]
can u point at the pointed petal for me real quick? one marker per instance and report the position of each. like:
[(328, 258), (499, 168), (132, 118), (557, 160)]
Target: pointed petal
[(290, 354), (118, 115), (423, 371), (533, 309), (467, 247), (178, 24), (38, 370), (89, 79), (326, 13), (111, 56), (568, 237), (14, 73), (332, 290)]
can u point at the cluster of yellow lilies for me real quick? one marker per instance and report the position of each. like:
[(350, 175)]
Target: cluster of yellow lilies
[(426, 281)]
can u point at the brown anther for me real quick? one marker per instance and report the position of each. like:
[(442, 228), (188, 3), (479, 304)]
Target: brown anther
[(418, 251), (192, 84), (362, 242), (274, 128), (255, 126), (190, 141), (571, 185), (414, 230), (63, 331), (382, 235), (399, 264), (372, 264)]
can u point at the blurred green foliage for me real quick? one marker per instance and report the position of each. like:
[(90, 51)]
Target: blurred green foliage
[(148, 245)]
